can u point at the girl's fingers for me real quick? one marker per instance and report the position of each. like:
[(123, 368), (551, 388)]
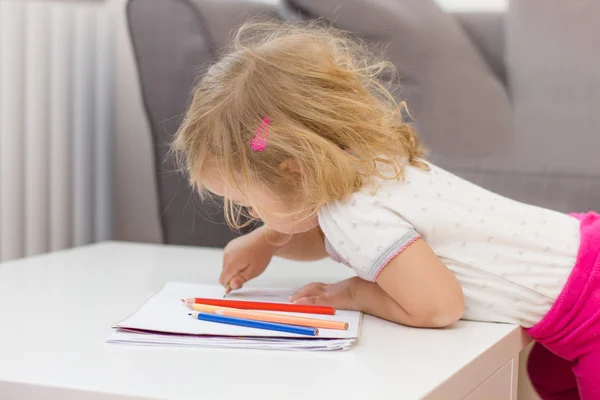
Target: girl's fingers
[(230, 272), (317, 300), (304, 300), (237, 282), (310, 290)]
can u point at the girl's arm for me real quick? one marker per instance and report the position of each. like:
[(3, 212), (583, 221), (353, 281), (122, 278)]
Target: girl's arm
[(415, 289), (246, 257)]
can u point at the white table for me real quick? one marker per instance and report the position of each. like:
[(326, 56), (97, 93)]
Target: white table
[(56, 311)]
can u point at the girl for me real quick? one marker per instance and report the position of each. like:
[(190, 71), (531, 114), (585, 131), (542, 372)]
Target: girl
[(293, 126)]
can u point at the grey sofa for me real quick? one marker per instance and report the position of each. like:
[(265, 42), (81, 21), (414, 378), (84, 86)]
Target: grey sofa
[(174, 40)]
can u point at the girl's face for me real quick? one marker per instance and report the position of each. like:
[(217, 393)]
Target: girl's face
[(261, 203)]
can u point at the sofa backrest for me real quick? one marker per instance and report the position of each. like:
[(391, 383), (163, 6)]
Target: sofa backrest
[(173, 40)]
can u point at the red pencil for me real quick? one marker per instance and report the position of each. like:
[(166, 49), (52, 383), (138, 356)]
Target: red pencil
[(259, 305)]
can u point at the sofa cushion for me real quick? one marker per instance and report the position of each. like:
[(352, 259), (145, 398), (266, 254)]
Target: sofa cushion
[(460, 106), (486, 32), (560, 192), (552, 60), (173, 41)]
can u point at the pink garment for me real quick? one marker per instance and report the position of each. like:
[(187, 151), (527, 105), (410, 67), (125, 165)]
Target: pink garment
[(565, 363)]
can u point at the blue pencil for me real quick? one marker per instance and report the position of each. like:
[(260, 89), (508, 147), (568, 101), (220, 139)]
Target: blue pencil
[(271, 326)]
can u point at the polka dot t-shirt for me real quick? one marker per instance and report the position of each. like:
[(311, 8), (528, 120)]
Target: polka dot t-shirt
[(512, 259)]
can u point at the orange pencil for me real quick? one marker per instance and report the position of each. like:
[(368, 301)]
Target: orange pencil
[(271, 317)]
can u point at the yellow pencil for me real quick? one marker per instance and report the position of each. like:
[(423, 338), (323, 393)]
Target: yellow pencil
[(271, 317)]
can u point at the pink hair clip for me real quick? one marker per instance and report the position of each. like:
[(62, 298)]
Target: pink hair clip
[(259, 142)]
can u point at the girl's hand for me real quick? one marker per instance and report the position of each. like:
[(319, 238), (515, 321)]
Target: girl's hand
[(246, 258), (338, 295)]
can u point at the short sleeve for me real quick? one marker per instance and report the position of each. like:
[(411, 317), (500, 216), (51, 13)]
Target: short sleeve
[(365, 233)]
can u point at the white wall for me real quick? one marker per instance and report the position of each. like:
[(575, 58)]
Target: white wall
[(56, 65)]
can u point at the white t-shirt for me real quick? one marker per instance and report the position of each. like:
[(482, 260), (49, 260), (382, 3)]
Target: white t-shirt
[(512, 259)]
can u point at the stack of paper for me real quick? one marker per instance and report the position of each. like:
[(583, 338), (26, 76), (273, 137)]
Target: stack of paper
[(163, 321)]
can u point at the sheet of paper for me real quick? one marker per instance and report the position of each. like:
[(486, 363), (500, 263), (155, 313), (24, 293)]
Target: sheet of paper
[(165, 313), (122, 337)]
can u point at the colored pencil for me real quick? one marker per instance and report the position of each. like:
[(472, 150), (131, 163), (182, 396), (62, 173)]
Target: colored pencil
[(263, 306), (227, 290), (248, 323), (272, 317)]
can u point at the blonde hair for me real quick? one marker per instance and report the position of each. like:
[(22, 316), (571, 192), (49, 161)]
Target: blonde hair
[(329, 114)]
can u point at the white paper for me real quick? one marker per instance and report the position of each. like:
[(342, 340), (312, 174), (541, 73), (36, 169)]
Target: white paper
[(165, 321), (121, 337)]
